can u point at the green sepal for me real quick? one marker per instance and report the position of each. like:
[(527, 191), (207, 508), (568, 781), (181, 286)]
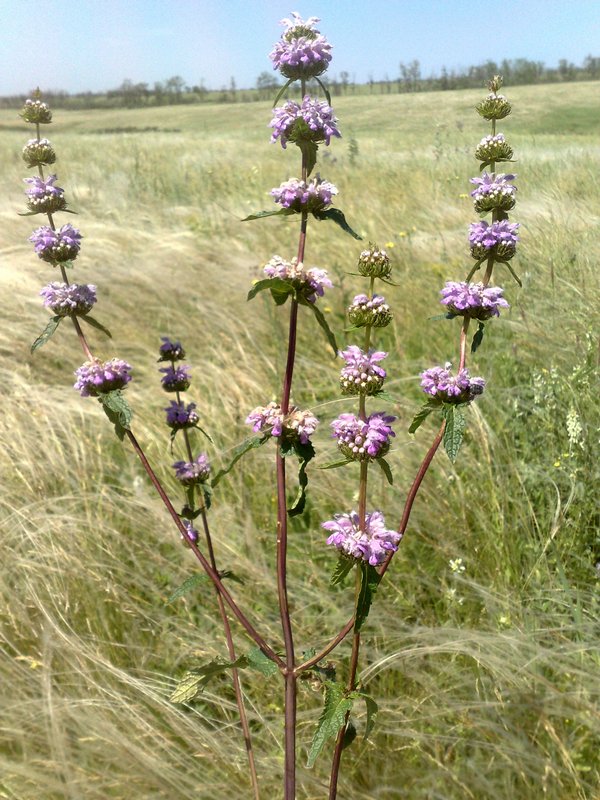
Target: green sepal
[(195, 679), (277, 286), (333, 717), (238, 452), (342, 569), (336, 464), (47, 333), (309, 150), (95, 324), (337, 216), (454, 430), (372, 711), (478, 337), (329, 334), (117, 410), (421, 415), (189, 583), (325, 90), (280, 93), (385, 468), (369, 581), (282, 212)]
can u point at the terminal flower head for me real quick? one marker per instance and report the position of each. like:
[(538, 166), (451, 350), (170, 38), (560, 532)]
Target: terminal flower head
[(373, 544), (169, 350), (36, 111), (302, 51), (98, 377), (374, 263)]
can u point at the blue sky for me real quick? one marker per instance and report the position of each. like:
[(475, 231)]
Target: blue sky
[(95, 44)]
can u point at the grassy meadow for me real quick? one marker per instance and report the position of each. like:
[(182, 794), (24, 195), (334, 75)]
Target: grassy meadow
[(487, 677)]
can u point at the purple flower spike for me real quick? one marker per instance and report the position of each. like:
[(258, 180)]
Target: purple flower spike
[(296, 425), (43, 196), (69, 300), (170, 351), (361, 373), (314, 121), (302, 51), (498, 239), (473, 300), (363, 440), (190, 473), (56, 246), (493, 191), (310, 282), (175, 379), (439, 383), (372, 545), (180, 415), (98, 377), (298, 195)]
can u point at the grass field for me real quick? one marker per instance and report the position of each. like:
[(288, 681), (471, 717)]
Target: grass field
[(488, 680)]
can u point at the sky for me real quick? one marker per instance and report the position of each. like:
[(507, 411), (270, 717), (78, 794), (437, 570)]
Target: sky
[(94, 45)]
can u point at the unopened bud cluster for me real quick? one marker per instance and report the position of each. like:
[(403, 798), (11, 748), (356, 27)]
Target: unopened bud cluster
[(37, 112), (374, 263), (38, 152), (372, 311)]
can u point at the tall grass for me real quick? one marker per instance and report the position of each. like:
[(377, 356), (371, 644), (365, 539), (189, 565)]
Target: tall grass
[(487, 679)]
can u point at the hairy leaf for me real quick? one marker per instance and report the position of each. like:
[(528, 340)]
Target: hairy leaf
[(420, 417), (330, 336), (189, 583), (337, 216), (342, 568), (385, 468), (95, 324), (332, 718), (47, 333), (309, 150), (478, 337), (280, 93), (239, 451), (372, 710), (336, 464), (305, 453), (369, 581), (455, 429), (325, 90), (282, 212), (276, 285), (202, 431), (117, 410), (349, 735), (258, 661), (194, 680)]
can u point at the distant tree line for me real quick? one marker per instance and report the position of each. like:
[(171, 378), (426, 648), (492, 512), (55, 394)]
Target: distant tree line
[(175, 90)]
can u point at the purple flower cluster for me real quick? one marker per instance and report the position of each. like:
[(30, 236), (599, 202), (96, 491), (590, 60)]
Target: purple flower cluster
[(493, 191), (498, 239), (362, 440), (170, 351), (180, 415), (43, 196), (367, 310), (361, 374), (190, 473), (302, 52), (372, 545), (494, 148), (298, 195), (310, 282), (439, 383), (175, 379), (38, 151), (296, 424), (56, 246), (473, 299), (66, 300), (98, 377), (192, 533), (313, 120)]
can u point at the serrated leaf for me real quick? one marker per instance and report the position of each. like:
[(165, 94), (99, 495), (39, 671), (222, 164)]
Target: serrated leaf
[(337, 216), (369, 581), (189, 583), (420, 417), (117, 410), (454, 431), (282, 212), (309, 150), (342, 568), (329, 335), (47, 333), (95, 324), (258, 661), (478, 337), (277, 285), (337, 705), (280, 93), (325, 90), (372, 711), (194, 680), (336, 464), (385, 468), (238, 452)]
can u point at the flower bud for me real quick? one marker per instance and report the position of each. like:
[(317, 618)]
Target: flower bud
[(170, 351), (494, 148), (37, 152), (367, 310), (36, 111), (494, 106), (374, 263)]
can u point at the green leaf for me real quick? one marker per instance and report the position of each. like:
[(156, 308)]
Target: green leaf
[(513, 273), (95, 324), (420, 417), (117, 410), (336, 464), (330, 336), (194, 680), (349, 735), (478, 338), (309, 150), (238, 452), (305, 453), (282, 212), (369, 582), (258, 661), (47, 333), (389, 398), (447, 315), (189, 583), (202, 431), (372, 711), (229, 575), (280, 93), (333, 717), (338, 217), (277, 285), (325, 90), (455, 429), (342, 568), (385, 468)]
